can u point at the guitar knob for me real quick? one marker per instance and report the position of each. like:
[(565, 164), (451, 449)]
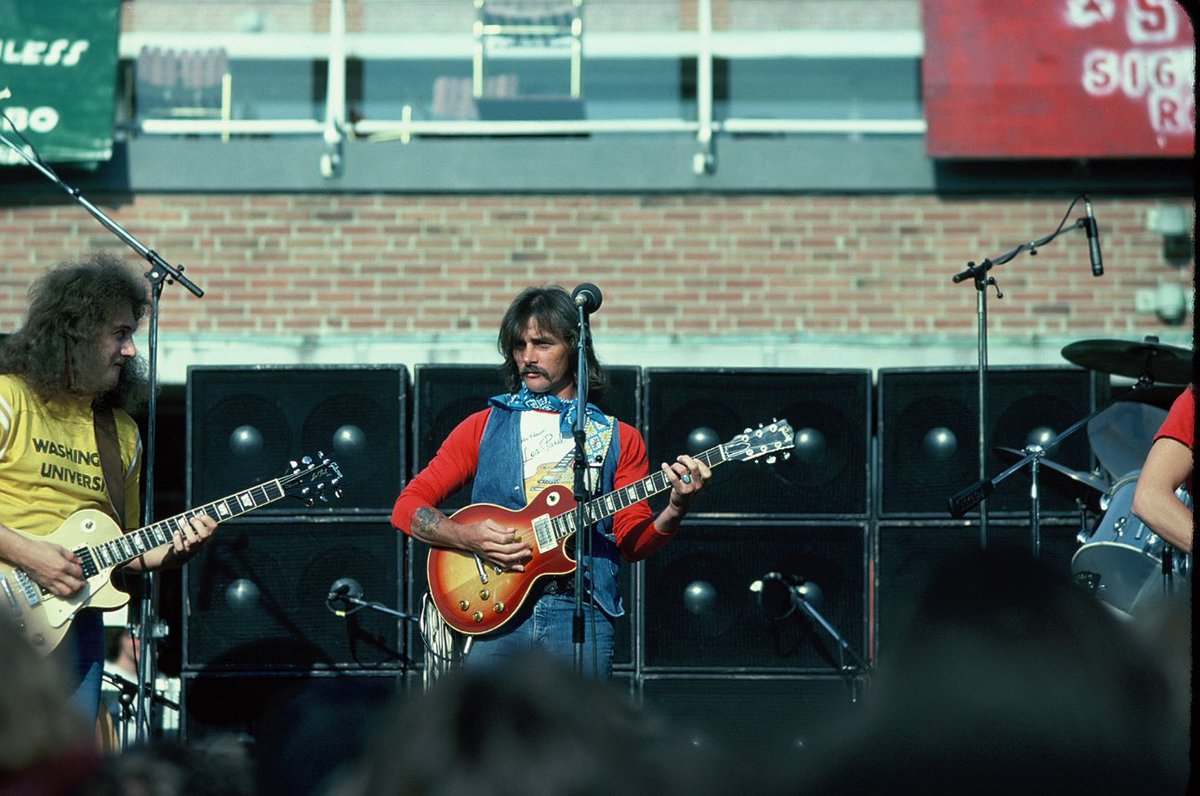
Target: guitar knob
[(477, 616), (463, 605), (499, 608), (485, 594)]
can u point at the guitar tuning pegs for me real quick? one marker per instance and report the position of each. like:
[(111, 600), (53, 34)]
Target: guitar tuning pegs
[(787, 455), (337, 493), (293, 464)]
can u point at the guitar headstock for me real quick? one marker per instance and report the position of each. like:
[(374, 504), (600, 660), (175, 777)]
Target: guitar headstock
[(313, 479), (768, 440)]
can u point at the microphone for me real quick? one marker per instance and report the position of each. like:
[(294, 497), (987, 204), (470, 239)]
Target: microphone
[(587, 296), (1093, 239), (779, 594), (345, 589)]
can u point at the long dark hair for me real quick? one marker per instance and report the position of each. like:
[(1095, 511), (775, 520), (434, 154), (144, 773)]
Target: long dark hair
[(555, 313), (69, 306)]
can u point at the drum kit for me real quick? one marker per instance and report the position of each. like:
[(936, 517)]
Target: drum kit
[(1122, 561)]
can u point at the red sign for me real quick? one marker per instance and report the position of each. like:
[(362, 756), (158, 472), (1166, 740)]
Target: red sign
[(1059, 79)]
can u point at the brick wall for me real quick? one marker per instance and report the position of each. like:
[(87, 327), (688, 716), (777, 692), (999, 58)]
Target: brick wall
[(726, 266)]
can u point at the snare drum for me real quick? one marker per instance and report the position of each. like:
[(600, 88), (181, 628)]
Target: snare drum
[(1123, 556)]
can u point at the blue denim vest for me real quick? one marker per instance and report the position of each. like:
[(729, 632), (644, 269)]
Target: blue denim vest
[(498, 480)]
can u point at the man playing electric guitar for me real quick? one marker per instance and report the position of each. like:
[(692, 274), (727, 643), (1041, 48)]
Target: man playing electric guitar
[(73, 359), (505, 446)]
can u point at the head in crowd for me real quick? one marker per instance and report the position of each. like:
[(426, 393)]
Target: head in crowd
[(218, 766), (61, 348), (45, 746), (527, 727), (1012, 680), (555, 313)]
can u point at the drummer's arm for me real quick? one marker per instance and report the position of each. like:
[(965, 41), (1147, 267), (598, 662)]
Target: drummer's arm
[(1167, 466)]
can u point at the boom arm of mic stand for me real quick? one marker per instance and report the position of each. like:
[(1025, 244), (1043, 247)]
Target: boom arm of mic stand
[(963, 501), (975, 271), (160, 269), (816, 616), (380, 607)]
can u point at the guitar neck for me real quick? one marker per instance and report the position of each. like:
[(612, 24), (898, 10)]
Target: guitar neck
[(130, 545), (608, 505)]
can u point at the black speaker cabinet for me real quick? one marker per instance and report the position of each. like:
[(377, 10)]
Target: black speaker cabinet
[(910, 554), (444, 395), (314, 712), (689, 411), (767, 718), (699, 610), (626, 625), (929, 435), (246, 423), (256, 596)]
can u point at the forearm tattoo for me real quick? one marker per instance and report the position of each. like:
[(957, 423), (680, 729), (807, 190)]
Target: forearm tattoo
[(424, 523)]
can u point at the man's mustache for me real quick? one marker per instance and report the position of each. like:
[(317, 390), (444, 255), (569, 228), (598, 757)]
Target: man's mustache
[(526, 371)]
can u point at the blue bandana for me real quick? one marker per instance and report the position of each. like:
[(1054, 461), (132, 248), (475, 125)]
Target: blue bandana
[(526, 399)]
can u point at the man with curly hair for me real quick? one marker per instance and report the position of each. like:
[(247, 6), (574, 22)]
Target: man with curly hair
[(73, 361)]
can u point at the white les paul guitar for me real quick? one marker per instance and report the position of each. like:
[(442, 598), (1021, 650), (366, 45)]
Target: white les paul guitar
[(93, 536)]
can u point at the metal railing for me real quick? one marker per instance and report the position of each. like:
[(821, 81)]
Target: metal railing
[(704, 45)]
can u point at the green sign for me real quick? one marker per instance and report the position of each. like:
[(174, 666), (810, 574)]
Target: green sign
[(58, 58)]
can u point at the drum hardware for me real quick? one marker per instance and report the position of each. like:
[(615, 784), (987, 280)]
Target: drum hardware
[(1074, 484), (1124, 557), (1160, 396), (1034, 455)]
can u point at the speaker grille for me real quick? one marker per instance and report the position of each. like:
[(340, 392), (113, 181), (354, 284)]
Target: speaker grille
[(769, 718), (929, 435), (256, 596), (317, 711), (910, 554), (688, 411), (699, 611), (245, 424)]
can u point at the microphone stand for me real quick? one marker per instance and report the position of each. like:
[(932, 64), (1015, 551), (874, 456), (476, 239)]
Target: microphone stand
[(360, 603), (160, 271), (848, 670), (127, 693), (978, 273), (583, 536)]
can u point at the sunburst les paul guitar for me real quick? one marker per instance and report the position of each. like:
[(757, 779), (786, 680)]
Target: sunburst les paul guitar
[(476, 597), (102, 547)]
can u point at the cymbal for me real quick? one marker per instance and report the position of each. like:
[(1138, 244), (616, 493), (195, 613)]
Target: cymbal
[(1062, 479), (1163, 363)]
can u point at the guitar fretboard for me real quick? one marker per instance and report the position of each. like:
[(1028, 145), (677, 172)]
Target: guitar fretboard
[(609, 504), (130, 545)]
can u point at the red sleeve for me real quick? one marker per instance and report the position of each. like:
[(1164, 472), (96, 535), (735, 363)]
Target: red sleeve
[(1181, 420), (454, 465), (634, 527)]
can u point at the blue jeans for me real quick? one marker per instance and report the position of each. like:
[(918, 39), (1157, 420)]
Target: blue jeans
[(81, 656), (546, 628)]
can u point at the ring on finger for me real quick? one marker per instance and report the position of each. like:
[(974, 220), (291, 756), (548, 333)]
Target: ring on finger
[(687, 478)]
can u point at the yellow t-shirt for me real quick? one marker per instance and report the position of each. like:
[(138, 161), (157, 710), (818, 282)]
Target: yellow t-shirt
[(49, 464)]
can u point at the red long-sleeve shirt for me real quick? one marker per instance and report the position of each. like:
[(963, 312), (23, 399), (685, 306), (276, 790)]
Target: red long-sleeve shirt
[(458, 458)]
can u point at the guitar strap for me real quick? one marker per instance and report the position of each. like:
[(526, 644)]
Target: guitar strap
[(109, 446)]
